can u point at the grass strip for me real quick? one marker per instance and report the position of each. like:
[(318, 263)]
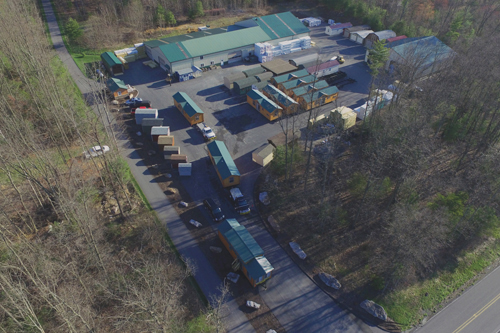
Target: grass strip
[(407, 307)]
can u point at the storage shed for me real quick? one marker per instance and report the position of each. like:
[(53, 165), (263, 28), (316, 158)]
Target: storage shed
[(347, 31), (141, 114), (359, 36), (165, 141), (264, 105), (157, 131), (118, 88), (169, 150), (175, 159), (148, 123), (264, 76), (253, 71), (288, 77), (320, 97), (310, 88), (185, 169), (243, 86), (288, 86), (279, 67), (224, 165), (112, 64), (243, 247), (184, 74), (230, 79), (343, 117), (283, 100), (325, 68), (188, 108), (304, 59), (378, 36), (263, 155), (337, 29)]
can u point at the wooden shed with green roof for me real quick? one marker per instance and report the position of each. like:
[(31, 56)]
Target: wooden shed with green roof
[(288, 86), (243, 86), (318, 98), (243, 247), (264, 105), (227, 171), (308, 89), (283, 100), (288, 77), (118, 88), (188, 108), (112, 64)]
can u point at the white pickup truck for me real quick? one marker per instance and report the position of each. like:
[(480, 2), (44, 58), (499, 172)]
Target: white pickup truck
[(206, 131)]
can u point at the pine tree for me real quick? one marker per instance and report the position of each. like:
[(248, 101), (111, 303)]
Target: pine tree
[(170, 18), (73, 30)]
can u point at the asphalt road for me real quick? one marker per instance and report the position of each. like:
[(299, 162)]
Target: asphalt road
[(475, 311)]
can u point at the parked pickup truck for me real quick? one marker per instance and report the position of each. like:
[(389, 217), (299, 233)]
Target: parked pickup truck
[(239, 202), (206, 131)]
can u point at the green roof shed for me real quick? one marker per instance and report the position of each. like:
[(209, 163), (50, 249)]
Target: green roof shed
[(226, 169)]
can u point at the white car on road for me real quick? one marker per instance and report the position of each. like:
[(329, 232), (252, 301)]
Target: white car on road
[(96, 151)]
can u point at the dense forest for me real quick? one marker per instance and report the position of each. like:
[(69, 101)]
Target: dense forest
[(79, 250)]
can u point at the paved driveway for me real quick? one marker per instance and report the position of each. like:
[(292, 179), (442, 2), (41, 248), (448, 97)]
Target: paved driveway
[(298, 303)]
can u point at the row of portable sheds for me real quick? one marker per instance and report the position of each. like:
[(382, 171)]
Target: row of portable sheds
[(361, 34), (154, 129), (243, 248)]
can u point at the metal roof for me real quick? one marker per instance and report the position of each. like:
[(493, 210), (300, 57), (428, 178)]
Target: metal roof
[(328, 64), (115, 84), (384, 34), (110, 59), (254, 71), (258, 267), (362, 33), (291, 76), (295, 83), (279, 66), (184, 71), (187, 103), (152, 122), (159, 130), (175, 52), (426, 49), (393, 39), (320, 93), (222, 159), (306, 89), (279, 96), (264, 76), (300, 60), (266, 103), (183, 37), (358, 28), (281, 25), (246, 82), (340, 25), (240, 240)]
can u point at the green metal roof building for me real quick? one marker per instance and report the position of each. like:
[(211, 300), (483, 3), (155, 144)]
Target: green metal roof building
[(227, 171), (223, 45), (264, 105), (290, 76), (243, 86), (289, 85), (282, 99), (188, 108), (308, 88), (112, 64), (243, 247)]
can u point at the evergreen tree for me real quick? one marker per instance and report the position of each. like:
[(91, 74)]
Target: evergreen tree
[(199, 9), (377, 57), (160, 16), (73, 30), (170, 18)]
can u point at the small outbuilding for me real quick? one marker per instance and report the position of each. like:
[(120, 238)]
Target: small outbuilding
[(359, 36), (304, 59), (324, 69), (185, 169), (112, 64), (253, 71), (288, 86), (148, 123), (169, 150), (264, 105), (188, 108), (230, 79), (118, 88), (308, 89), (343, 117), (288, 77), (225, 167), (347, 31), (176, 159), (320, 97), (165, 141), (283, 100), (279, 67), (263, 155), (186, 74), (378, 36), (141, 114), (243, 248), (243, 86), (264, 76), (337, 29), (157, 131)]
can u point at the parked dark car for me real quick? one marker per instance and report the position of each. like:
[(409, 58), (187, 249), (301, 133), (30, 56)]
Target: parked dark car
[(138, 104), (213, 209)]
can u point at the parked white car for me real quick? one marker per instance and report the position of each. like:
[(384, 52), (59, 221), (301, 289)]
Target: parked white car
[(96, 151), (133, 100)]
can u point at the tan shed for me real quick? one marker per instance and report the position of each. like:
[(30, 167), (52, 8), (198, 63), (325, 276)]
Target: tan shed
[(263, 155), (175, 159), (343, 117), (166, 140), (229, 80), (170, 150)]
